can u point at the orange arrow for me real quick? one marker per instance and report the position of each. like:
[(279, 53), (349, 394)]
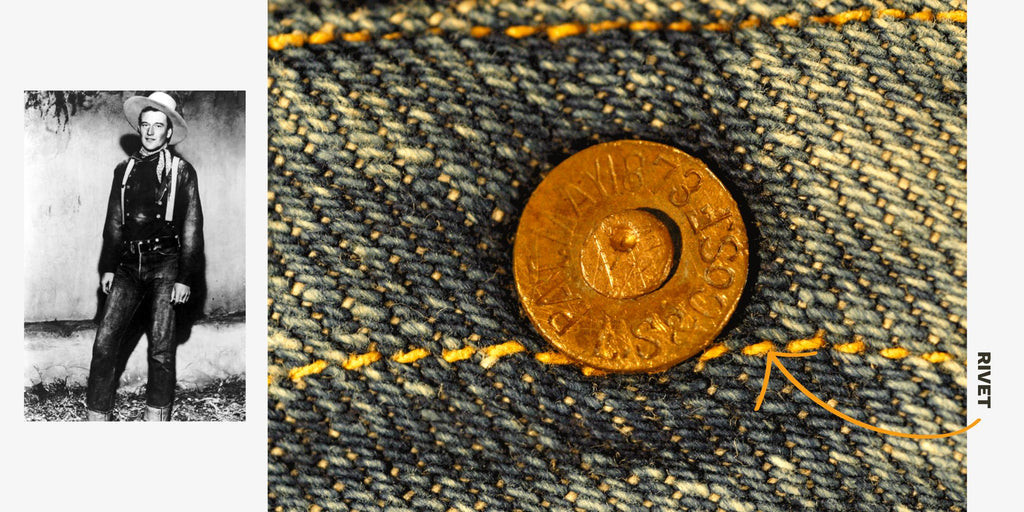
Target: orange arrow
[(773, 357)]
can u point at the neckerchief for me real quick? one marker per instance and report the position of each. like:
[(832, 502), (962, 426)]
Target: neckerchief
[(163, 166)]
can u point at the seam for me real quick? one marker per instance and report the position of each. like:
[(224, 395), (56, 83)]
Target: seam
[(491, 354), (328, 32)]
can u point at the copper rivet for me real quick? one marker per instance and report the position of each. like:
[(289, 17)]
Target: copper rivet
[(630, 257)]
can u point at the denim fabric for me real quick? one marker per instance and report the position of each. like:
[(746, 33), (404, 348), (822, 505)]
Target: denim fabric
[(148, 278), (404, 143)]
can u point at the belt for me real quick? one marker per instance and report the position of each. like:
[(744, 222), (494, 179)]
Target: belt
[(152, 244)]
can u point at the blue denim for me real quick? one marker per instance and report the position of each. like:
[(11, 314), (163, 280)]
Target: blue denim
[(405, 140), (146, 278)]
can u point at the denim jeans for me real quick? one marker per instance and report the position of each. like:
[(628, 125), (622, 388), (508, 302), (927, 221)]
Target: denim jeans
[(146, 279), (405, 140)]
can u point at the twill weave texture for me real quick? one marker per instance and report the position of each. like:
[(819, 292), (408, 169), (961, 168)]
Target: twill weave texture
[(403, 149)]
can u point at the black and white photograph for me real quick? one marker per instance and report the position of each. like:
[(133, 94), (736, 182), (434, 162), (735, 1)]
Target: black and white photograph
[(134, 256)]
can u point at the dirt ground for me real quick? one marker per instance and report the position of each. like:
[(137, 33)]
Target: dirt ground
[(223, 400)]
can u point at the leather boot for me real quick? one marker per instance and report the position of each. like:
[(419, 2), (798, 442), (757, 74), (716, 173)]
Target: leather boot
[(91, 415), (158, 413)]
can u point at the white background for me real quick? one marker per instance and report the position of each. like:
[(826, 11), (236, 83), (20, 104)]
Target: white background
[(119, 45), (190, 44), (995, 262)]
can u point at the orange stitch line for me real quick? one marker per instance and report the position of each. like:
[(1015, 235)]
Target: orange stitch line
[(758, 349), (957, 16), (809, 344), (458, 355), (504, 349), (324, 35), (894, 352), (923, 16), (565, 30), (751, 22), (681, 26), (854, 347), (493, 352), (892, 13), (296, 374), (282, 41), (552, 358), (937, 357), (713, 352), (789, 20), (717, 26), (644, 25), (601, 26), (296, 38), (411, 356), (844, 17), (520, 31), (356, 361), (356, 37)]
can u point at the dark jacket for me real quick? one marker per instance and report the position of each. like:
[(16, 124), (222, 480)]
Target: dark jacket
[(187, 221)]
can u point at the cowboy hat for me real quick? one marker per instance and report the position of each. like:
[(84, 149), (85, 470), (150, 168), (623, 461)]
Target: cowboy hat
[(164, 103)]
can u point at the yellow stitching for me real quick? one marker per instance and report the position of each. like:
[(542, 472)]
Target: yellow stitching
[(357, 361), (937, 357), (520, 31), (494, 352), (324, 35), (502, 350), (411, 356), (807, 345), (298, 373), (714, 352), (641, 26), (751, 22), (954, 16), (717, 26), (282, 41), (894, 352), (758, 348), (601, 26), (789, 20), (681, 26), (892, 13), (356, 37), (458, 355), (565, 30), (327, 33), (844, 17), (854, 347)]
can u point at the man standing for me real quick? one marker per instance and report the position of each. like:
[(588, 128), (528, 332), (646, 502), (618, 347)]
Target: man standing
[(152, 244)]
